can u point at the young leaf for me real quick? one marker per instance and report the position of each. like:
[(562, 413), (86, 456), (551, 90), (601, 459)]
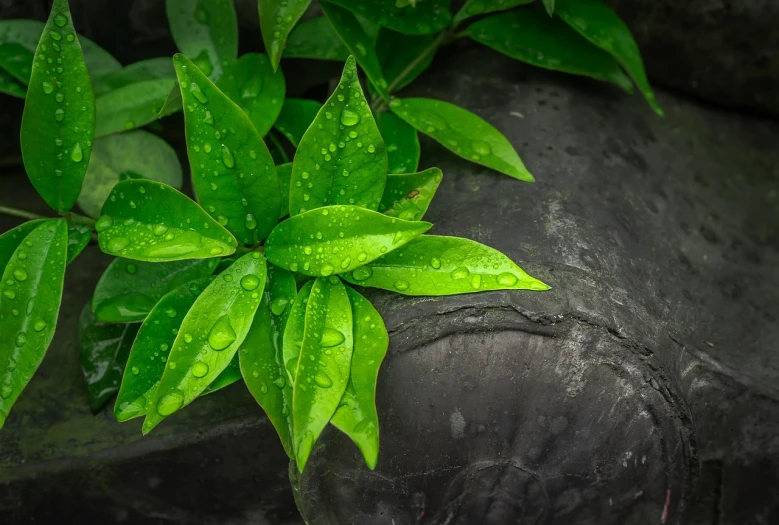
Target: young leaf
[(296, 117), (138, 152), (59, 114), (209, 337), (232, 169), (408, 195), (29, 305), (293, 331), (424, 18), (358, 42), (323, 365), (402, 144), (261, 353), (128, 290), (356, 415), (141, 71), (276, 21), (150, 350), (549, 6), (480, 7), (10, 240), (16, 60), (337, 239), (148, 221), (341, 159), (104, 351), (599, 24), (9, 86), (317, 39), (130, 107), (434, 265), (463, 133), (397, 52), (207, 29), (78, 238), (284, 172), (256, 88), (531, 36)]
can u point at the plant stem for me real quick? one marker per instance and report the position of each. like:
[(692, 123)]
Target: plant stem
[(75, 218), (442, 37), (279, 147), (22, 214)]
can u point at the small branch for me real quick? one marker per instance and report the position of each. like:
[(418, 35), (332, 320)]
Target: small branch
[(75, 218), (435, 44), (279, 147), (22, 214)]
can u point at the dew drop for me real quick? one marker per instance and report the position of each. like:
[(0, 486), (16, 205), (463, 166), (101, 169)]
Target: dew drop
[(507, 279), (362, 273), (250, 282), (250, 222), (169, 403), (222, 334), (76, 155), (481, 148), (460, 273), (401, 285), (278, 305), (199, 369), (331, 337), (59, 115), (323, 380), (60, 20), (170, 312), (131, 269), (349, 117), (56, 36), (196, 92), (346, 262), (327, 269), (10, 294), (280, 382), (39, 325), (435, 263), (135, 370), (476, 281), (21, 339), (47, 88), (104, 223), (5, 392), (20, 274), (159, 229), (118, 244), (227, 157)]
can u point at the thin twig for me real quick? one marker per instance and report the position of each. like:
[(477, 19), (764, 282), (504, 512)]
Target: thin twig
[(22, 214)]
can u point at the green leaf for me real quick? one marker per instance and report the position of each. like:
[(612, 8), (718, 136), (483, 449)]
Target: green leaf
[(434, 265), (261, 353), (284, 172), (337, 239), (356, 415), (149, 69), (149, 221), (531, 36), (29, 305), (139, 152), (358, 42), (132, 106), (173, 102), (78, 238), (341, 159), (104, 351), (209, 337), (402, 144), (397, 52), (296, 117), (207, 29), (425, 18), (59, 114), (128, 290), (549, 6), (256, 88), (232, 170), (276, 21), (9, 86), (408, 195), (599, 24), (294, 330), (16, 60), (230, 375), (10, 240), (463, 133), (322, 371), (317, 39), (480, 7), (149, 353)]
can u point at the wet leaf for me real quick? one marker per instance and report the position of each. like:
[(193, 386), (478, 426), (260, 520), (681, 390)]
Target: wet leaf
[(296, 116), (149, 221), (434, 265), (78, 238), (10, 240), (294, 329), (206, 29), (341, 159), (132, 106), (463, 133), (138, 152), (356, 415), (284, 172), (531, 36), (408, 195), (324, 362), (598, 23), (402, 144), (397, 51), (256, 88), (104, 351), (128, 290), (209, 337), (424, 18), (337, 239), (229, 376), (261, 353), (232, 170), (276, 21), (59, 114), (358, 42), (9, 86), (480, 7), (317, 39), (29, 305), (141, 71)]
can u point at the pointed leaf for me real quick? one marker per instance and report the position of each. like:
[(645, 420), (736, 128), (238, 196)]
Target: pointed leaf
[(230, 375), (463, 133), (294, 330), (341, 158), (276, 21), (397, 51), (261, 353), (408, 195), (256, 88), (29, 305), (296, 117), (141, 71), (232, 169), (549, 6), (104, 351), (402, 144), (531, 36), (10, 240), (284, 172), (128, 290), (149, 221), (78, 238), (424, 18), (59, 114), (434, 265), (317, 39), (598, 23), (358, 42), (9, 86), (337, 239), (132, 106), (480, 7), (209, 337), (356, 415)]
